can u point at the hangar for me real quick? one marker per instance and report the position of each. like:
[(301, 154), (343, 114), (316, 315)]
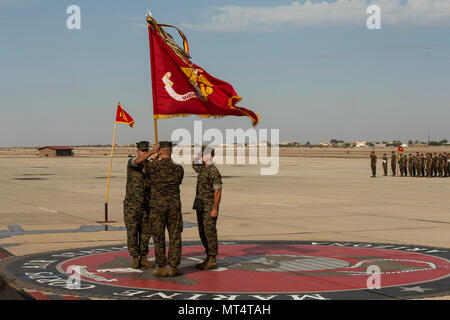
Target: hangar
[(55, 151)]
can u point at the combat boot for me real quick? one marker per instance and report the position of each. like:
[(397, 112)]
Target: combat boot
[(201, 265), (161, 272), (210, 264), (145, 263), (135, 264), (174, 272)]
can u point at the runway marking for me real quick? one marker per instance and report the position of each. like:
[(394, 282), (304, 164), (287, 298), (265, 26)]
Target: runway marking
[(15, 230), (281, 204), (33, 205), (316, 167), (42, 208)]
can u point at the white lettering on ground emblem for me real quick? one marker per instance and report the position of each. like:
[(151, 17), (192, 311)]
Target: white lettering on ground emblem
[(121, 270), (82, 270), (431, 266)]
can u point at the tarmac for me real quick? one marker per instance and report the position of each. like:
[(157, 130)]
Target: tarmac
[(50, 204)]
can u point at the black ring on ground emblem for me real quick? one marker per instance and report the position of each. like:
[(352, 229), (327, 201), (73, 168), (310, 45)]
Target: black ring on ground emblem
[(250, 270)]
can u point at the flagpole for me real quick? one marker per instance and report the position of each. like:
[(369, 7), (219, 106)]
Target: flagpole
[(152, 72), (156, 131), (109, 174)]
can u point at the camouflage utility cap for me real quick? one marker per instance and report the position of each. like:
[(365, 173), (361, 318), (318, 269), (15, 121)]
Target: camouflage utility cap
[(143, 145), (165, 144)]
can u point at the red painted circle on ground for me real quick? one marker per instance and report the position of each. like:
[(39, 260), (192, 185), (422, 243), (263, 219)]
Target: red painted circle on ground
[(273, 268)]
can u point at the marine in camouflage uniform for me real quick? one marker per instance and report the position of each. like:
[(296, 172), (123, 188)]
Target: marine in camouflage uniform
[(422, 165), (373, 164), (405, 166), (165, 210), (417, 165), (136, 207), (440, 165), (434, 166), (411, 168), (394, 163), (385, 165), (403, 163), (400, 164), (446, 165), (207, 199), (429, 162)]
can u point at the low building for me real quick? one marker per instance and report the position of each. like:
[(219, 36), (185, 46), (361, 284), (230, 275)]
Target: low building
[(55, 151), (380, 144), (361, 144)]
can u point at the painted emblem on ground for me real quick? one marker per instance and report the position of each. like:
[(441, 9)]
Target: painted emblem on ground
[(261, 270)]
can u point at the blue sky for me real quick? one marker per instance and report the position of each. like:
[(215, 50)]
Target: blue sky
[(313, 70)]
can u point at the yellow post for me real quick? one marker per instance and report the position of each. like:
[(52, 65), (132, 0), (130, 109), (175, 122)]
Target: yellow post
[(109, 172)]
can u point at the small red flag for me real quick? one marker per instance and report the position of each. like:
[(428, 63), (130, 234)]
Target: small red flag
[(123, 117), (400, 149), (182, 88)]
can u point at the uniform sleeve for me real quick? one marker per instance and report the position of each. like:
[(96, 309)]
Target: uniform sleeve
[(197, 167), (148, 167), (216, 179), (180, 173), (132, 161)]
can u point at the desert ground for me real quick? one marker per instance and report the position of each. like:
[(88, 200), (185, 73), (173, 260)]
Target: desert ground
[(318, 194)]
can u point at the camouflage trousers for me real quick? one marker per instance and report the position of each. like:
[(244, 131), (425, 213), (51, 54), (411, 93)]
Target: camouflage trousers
[(137, 222), (385, 168), (394, 169), (374, 170), (207, 230), (167, 214)]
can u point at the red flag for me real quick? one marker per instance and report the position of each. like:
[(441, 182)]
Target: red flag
[(400, 149), (181, 88), (123, 117)]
